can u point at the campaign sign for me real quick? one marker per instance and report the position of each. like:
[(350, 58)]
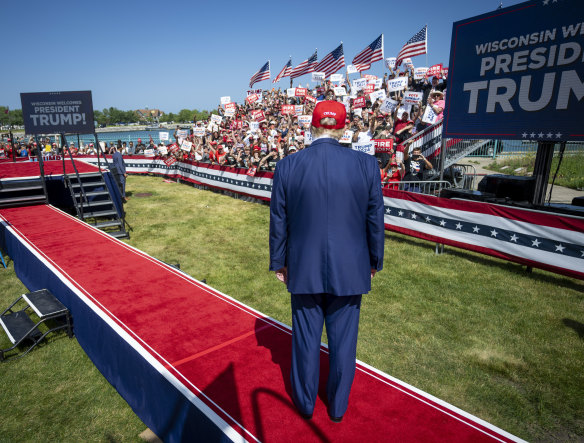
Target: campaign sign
[(199, 131), (290, 92), (397, 84), (252, 98), (254, 91), (429, 116), (162, 150), (366, 147), (163, 136), (383, 145), (173, 148), (288, 109), (182, 133), (336, 77), (169, 161), (229, 112), (408, 62), (318, 76), (369, 88), (351, 69), (258, 115), (388, 106), (57, 112), (340, 91), (517, 73), (420, 73), (412, 98), (359, 83), (310, 98), (377, 95), (378, 83), (298, 109), (217, 119), (304, 120), (186, 146), (347, 137), (254, 126), (434, 71), (225, 100), (230, 105), (301, 92), (445, 72), (390, 63), (359, 102)]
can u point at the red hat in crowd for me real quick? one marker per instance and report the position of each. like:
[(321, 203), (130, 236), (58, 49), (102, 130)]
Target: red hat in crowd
[(332, 109), (139, 140)]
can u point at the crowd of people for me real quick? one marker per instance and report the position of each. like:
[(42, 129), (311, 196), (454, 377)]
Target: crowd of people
[(268, 126)]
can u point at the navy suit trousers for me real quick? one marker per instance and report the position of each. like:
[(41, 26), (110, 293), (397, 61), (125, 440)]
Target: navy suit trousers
[(341, 316)]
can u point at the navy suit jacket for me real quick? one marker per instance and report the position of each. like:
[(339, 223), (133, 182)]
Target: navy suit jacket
[(326, 219), (119, 163)]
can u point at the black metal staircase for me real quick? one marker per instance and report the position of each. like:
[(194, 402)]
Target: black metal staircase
[(28, 192), (93, 200)]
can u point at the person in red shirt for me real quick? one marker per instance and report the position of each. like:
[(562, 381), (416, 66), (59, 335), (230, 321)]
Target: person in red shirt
[(395, 175)]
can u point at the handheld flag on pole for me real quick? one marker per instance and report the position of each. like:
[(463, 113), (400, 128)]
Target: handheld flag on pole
[(306, 67), (285, 72), (262, 74), (417, 45), (371, 54), (332, 62)]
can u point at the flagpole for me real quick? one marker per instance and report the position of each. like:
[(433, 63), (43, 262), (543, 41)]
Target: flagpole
[(426, 44)]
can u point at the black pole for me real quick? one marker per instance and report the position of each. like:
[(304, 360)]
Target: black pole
[(12, 145), (541, 171), (41, 168)]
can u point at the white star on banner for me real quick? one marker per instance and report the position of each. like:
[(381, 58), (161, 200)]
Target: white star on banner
[(549, 135), (400, 213), (535, 243), (428, 219), (494, 233), (458, 226), (532, 135), (545, 2), (524, 135), (387, 210), (414, 216), (560, 248), (475, 229), (540, 135), (442, 223), (514, 238), (558, 135), (582, 252)]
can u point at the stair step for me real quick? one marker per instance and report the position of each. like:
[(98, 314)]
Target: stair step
[(107, 224), (28, 199), (88, 184), (17, 324), (44, 304), (92, 193), (23, 188), (98, 203), (118, 234), (84, 175), (99, 214)]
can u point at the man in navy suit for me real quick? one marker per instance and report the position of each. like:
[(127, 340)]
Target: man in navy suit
[(120, 167), (326, 243)]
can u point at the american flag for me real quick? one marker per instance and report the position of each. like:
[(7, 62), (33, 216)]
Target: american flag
[(332, 62), (285, 72), (305, 67), (262, 74), (372, 53), (417, 45)]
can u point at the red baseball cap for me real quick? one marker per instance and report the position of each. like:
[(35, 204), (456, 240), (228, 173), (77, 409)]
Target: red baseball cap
[(332, 109)]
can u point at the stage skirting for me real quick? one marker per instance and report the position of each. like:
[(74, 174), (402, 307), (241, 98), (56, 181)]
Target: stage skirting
[(534, 238), (195, 364)]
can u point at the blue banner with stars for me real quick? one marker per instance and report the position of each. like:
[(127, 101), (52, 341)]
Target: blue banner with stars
[(517, 73)]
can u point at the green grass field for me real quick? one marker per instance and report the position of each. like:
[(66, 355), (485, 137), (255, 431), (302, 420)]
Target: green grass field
[(570, 174), (477, 332)]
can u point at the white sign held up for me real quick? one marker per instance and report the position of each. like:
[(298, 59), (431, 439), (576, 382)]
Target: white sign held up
[(347, 137), (340, 91), (225, 100), (420, 73), (388, 106), (380, 94), (429, 116), (390, 62), (359, 84), (397, 84), (163, 136), (366, 147), (351, 69), (336, 77), (217, 119), (318, 76), (291, 92), (412, 98)]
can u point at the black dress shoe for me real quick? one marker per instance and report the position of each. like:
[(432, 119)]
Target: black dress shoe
[(336, 419), (302, 414)]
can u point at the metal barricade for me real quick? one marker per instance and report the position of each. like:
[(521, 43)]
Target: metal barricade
[(427, 187)]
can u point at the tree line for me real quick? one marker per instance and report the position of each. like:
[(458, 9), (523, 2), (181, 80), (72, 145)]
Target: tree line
[(112, 116)]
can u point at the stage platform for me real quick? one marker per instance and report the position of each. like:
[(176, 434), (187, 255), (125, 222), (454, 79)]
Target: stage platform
[(195, 364), (28, 169)]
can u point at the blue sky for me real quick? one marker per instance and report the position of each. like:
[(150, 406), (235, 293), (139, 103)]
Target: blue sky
[(187, 54)]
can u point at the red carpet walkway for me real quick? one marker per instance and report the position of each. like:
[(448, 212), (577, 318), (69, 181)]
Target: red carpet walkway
[(23, 169), (234, 359)]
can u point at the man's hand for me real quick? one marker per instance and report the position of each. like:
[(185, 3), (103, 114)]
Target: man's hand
[(373, 272), (282, 274)]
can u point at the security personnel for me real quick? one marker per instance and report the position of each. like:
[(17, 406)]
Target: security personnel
[(326, 243)]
